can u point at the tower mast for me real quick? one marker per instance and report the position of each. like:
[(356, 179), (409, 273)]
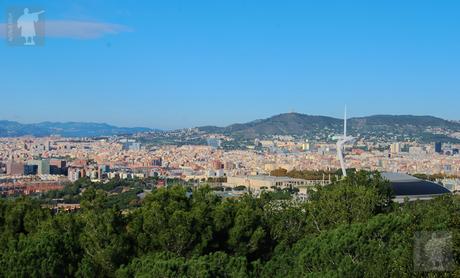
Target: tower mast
[(342, 140)]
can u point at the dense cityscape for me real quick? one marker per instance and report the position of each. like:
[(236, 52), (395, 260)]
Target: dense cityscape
[(45, 163)]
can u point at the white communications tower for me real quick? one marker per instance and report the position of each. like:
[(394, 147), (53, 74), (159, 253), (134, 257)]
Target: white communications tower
[(342, 141)]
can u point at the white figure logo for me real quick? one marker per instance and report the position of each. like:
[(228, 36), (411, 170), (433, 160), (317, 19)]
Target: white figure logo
[(26, 24)]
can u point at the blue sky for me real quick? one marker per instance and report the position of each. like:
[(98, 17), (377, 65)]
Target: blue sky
[(172, 64)]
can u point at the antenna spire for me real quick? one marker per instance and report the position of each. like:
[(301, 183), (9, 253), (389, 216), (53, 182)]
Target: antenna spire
[(341, 144)]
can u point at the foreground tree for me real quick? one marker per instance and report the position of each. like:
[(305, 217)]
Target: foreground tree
[(353, 199), (103, 239)]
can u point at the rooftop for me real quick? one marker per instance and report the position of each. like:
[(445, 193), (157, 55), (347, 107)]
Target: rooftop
[(269, 178), (406, 185)]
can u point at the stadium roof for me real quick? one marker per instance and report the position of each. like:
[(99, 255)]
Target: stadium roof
[(406, 186)]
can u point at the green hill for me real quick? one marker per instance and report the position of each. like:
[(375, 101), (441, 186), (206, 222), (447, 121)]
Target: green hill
[(384, 126)]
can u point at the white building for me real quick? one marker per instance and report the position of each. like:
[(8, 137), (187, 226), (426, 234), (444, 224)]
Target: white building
[(258, 183)]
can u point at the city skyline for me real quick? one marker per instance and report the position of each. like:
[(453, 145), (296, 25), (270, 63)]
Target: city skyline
[(178, 64)]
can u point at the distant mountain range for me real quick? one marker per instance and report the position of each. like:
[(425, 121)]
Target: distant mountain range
[(403, 127), (385, 127), (68, 129)]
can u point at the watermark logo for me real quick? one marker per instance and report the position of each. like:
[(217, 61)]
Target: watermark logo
[(433, 252), (25, 26)]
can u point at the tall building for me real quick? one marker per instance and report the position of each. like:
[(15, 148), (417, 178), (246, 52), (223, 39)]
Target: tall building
[(14, 168), (157, 162), (30, 170), (43, 166), (57, 167), (131, 146), (438, 147), (103, 171), (395, 148), (75, 173)]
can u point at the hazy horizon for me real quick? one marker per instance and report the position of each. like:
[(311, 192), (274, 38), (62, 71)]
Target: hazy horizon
[(250, 120)]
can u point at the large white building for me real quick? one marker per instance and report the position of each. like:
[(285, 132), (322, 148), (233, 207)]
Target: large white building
[(257, 183)]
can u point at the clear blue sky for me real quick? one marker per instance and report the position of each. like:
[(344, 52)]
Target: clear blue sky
[(172, 64)]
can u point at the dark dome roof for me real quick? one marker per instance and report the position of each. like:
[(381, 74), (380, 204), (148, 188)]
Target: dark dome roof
[(405, 185), (420, 187)]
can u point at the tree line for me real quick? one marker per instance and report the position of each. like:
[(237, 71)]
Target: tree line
[(348, 229)]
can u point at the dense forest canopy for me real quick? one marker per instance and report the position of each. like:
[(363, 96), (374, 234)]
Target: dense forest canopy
[(348, 229)]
